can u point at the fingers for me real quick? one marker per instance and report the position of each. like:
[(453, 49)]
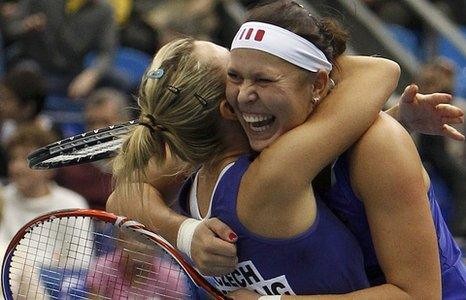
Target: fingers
[(452, 133), (216, 265), (215, 257), (213, 248), (409, 94), (218, 246), (215, 271), (435, 98), (447, 110), (221, 230)]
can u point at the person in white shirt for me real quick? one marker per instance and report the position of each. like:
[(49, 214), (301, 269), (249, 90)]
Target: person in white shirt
[(32, 193)]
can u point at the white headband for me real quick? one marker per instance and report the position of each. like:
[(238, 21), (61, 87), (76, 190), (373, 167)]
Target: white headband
[(282, 43)]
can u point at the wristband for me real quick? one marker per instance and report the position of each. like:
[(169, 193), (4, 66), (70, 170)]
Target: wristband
[(275, 297), (185, 235)]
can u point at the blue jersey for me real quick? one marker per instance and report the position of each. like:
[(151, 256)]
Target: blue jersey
[(324, 259), (349, 208)]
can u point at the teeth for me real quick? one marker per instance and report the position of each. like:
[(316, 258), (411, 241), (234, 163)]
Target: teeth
[(252, 118), (258, 123), (259, 129)]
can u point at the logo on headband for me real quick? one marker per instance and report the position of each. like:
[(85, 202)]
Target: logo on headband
[(258, 36)]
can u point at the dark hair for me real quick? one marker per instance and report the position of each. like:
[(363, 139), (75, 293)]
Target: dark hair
[(326, 33), (28, 85)]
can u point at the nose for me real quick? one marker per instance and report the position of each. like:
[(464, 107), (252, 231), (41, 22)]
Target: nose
[(247, 93)]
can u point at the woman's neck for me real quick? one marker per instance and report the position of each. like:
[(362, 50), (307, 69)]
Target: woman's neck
[(235, 144)]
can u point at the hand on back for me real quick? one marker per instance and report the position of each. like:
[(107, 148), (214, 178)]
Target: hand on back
[(213, 248)]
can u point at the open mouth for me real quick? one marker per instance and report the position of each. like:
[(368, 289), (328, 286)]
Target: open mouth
[(258, 123)]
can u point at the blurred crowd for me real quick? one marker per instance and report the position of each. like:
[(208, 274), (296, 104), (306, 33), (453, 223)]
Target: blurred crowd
[(67, 66)]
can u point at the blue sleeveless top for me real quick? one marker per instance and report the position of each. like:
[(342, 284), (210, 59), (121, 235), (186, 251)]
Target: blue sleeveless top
[(324, 259), (344, 203)]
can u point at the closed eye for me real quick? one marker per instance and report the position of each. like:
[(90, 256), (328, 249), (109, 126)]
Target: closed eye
[(232, 76), (264, 80)]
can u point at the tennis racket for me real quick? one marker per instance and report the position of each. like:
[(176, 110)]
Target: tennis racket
[(61, 255), (82, 148)]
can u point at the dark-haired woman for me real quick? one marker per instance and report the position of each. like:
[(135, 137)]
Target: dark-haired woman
[(380, 191)]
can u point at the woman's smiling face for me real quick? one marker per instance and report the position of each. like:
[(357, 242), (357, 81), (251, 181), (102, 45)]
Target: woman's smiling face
[(269, 95)]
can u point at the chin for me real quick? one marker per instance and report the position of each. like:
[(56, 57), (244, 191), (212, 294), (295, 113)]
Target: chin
[(259, 145)]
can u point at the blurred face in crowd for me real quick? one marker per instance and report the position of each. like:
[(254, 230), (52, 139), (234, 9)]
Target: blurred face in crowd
[(30, 183), (102, 115), (9, 105)]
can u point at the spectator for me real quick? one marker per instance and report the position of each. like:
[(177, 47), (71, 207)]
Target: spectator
[(136, 32), (31, 193), (200, 19), (57, 35), (22, 97), (93, 181)]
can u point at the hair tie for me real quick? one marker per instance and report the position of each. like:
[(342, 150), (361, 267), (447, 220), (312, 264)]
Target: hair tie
[(152, 130), (153, 124), (152, 119)]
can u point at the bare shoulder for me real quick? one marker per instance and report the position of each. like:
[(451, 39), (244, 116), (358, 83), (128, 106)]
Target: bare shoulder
[(385, 156), (384, 132)]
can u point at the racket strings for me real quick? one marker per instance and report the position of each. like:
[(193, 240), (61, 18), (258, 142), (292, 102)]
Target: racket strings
[(66, 257), (89, 138), (87, 152), (150, 273)]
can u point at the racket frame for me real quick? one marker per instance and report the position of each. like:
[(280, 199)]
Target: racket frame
[(67, 146)]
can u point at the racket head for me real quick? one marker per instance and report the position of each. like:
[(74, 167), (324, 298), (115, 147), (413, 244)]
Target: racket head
[(60, 256), (82, 148)]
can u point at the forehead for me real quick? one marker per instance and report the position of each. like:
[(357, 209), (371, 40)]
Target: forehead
[(211, 52), (255, 60)]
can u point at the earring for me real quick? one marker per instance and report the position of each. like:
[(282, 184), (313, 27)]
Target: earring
[(315, 100)]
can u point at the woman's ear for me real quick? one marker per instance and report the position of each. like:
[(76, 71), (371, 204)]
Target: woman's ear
[(321, 85), (226, 111)]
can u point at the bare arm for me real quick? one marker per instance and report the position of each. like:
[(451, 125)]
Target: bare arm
[(149, 208), (387, 174)]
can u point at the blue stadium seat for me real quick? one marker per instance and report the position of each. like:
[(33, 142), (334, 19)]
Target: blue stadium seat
[(66, 113), (406, 37), (129, 63), (447, 49), (460, 85)]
